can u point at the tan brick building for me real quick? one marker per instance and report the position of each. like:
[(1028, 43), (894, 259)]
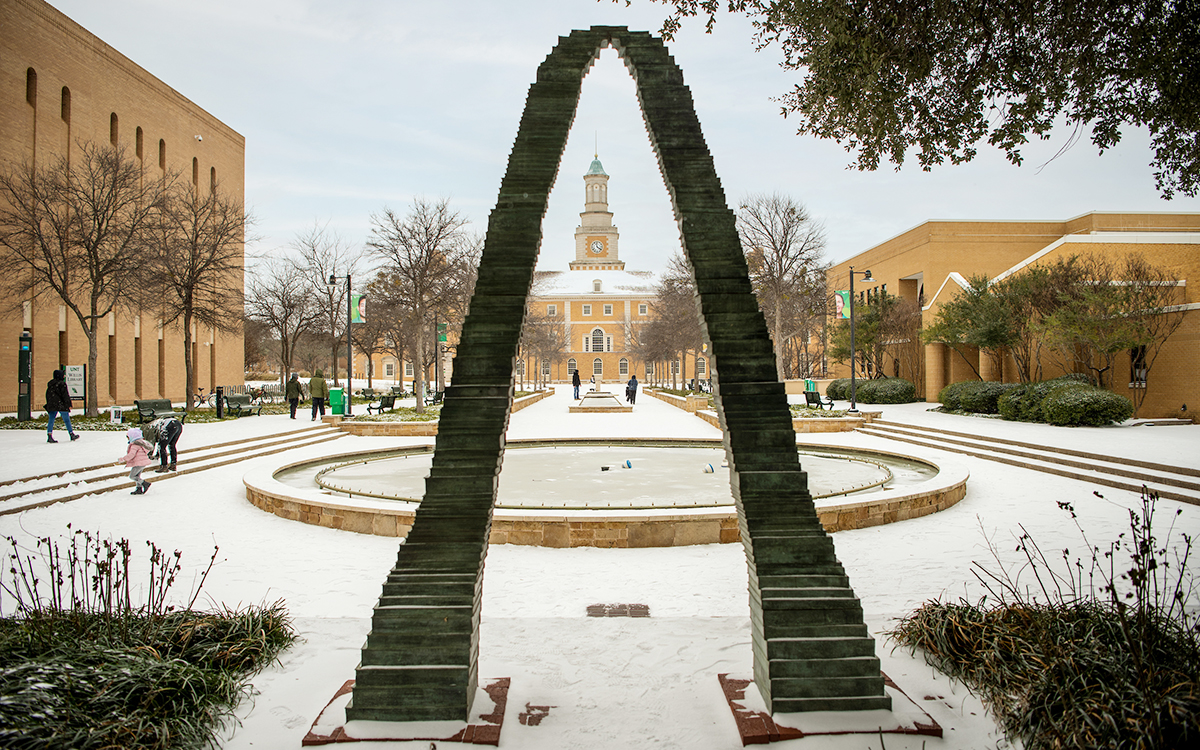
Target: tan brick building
[(60, 86), (931, 263)]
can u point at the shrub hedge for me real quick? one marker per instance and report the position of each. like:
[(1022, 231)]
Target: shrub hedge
[(886, 391), (838, 389), (1072, 404), (975, 396), (1023, 403)]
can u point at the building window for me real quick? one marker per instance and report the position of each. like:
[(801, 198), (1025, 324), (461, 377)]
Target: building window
[(597, 367), (408, 371), (1137, 367), (608, 310), (596, 285), (597, 340), (587, 309), (624, 366), (552, 310), (701, 368), (572, 366), (643, 309), (31, 87), (195, 172), (138, 136), (162, 154), (546, 369), (389, 369), (112, 128), (212, 180), (675, 367), (66, 105)]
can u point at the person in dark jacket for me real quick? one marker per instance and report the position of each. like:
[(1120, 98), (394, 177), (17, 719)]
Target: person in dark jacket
[(318, 391), (164, 433), (576, 382), (292, 393), (631, 390), (58, 401)]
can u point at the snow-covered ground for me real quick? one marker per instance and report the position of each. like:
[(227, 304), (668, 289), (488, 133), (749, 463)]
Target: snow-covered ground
[(610, 682)]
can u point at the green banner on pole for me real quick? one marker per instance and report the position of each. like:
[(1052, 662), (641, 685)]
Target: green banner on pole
[(841, 303), (441, 332), (358, 308)]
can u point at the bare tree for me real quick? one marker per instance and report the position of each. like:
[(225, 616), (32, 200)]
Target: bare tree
[(322, 254), (784, 248), (675, 327), (544, 338), (194, 264), (373, 334), (425, 256), (77, 230), (278, 295)]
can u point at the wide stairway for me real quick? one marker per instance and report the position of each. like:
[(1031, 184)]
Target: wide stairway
[(1173, 482)]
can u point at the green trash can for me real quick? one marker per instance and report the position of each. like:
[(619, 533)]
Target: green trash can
[(335, 401), (809, 385)]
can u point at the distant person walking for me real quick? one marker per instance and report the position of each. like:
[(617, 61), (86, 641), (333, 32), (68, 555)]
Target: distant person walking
[(137, 458), (164, 432), (58, 401), (576, 382), (631, 390), (292, 393), (318, 391)]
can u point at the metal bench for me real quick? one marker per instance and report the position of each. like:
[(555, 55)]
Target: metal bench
[(387, 401), (150, 409), (812, 398), (239, 405), (435, 398)]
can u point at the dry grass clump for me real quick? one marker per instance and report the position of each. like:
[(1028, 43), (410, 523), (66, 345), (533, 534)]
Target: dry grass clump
[(1092, 657)]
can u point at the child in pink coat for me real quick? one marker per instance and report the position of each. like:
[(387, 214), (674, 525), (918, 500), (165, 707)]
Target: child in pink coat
[(137, 458)]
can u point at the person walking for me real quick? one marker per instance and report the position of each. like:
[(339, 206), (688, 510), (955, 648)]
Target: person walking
[(58, 401), (318, 391), (576, 382), (292, 393), (137, 458), (631, 390), (164, 432)]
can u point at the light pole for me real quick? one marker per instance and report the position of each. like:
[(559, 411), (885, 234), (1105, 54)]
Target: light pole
[(333, 279), (853, 352)]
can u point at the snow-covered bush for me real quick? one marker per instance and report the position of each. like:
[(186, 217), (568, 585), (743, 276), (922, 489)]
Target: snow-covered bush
[(838, 389), (886, 391), (1072, 404)]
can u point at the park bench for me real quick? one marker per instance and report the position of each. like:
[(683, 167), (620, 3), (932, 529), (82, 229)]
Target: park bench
[(150, 409), (239, 405), (435, 398), (367, 393), (812, 398), (387, 401)]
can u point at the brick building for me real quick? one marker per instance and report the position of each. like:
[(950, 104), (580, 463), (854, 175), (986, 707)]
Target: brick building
[(931, 263), (61, 86)]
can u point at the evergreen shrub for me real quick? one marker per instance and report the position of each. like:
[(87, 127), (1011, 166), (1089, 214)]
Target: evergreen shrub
[(1023, 402), (1079, 405), (950, 395), (886, 391), (838, 389), (982, 397)]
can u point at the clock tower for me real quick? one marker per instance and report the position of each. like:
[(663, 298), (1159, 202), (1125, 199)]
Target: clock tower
[(596, 237)]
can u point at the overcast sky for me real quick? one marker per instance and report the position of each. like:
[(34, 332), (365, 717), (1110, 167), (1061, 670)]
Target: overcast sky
[(351, 106)]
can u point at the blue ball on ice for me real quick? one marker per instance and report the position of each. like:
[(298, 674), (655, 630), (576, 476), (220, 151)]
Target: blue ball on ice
[(628, 464), (708, 469)]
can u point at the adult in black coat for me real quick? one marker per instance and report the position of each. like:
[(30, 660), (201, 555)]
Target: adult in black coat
[(575, 382), (58, 401)]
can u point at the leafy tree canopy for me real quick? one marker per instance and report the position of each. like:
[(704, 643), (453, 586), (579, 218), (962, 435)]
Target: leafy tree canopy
[(882, 77)]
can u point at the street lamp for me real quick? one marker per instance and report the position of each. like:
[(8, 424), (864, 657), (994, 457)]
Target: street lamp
[(333, 280), (853, 352)]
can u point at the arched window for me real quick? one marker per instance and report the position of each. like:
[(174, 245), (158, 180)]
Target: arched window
[(162, 154), (31, 87), (597, 367), (596, 285), (112, 128), (138, 136), (66, 105), (624, 366), (597, 340), (701, 368), (572, 366), (212, 180), (195, 172)]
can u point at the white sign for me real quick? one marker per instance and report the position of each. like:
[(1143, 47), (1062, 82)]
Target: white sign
[(77, 381)]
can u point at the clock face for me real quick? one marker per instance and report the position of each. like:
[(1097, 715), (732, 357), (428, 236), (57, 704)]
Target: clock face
[(597, 247)]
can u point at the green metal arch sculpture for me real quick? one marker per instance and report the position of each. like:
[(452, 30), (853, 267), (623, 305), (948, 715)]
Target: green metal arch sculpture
[(811, 647)]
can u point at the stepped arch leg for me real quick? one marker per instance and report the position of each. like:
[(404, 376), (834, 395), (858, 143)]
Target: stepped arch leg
[(811, 648)]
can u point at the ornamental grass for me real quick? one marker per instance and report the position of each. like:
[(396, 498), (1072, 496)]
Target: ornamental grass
[(1094, 653)]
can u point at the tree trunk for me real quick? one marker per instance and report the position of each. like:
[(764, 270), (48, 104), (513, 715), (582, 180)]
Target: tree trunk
[(419, 367), (92, 409), (188, 366), (778, 341)]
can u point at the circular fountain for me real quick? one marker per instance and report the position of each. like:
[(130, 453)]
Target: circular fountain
[(603, 492)]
